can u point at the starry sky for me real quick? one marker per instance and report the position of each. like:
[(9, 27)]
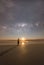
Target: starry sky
[(21, 18)]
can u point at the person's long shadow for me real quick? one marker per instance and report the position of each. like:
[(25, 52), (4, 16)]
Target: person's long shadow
[(6, 51)]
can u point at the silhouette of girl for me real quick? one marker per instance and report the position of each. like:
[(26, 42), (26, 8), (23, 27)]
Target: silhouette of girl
[(18, 41)]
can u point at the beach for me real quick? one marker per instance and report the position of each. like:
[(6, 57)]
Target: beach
[(29, 53)]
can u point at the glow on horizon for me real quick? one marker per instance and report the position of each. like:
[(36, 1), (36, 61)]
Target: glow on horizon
[(23, 38)]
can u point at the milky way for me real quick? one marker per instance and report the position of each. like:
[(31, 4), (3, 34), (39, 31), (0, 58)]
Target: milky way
[(21, 18)]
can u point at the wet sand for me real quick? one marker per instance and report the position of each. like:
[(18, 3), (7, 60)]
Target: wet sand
[(27, 54)]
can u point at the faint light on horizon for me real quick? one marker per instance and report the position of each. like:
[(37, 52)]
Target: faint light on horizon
[(23, 38)]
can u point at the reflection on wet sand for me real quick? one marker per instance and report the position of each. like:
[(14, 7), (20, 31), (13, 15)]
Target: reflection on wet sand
[(23, 43)]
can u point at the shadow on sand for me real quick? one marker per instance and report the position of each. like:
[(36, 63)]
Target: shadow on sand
[(6, 51)]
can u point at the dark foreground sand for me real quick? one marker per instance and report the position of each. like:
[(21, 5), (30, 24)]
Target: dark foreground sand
[(30, 54)]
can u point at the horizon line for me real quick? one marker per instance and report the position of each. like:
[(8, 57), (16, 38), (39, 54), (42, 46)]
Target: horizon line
[(25, 39)]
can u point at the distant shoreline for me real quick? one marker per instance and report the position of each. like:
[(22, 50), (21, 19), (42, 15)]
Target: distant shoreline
[(25, 40)]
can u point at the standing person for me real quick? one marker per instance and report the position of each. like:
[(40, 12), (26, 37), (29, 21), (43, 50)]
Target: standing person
[(18, 41)]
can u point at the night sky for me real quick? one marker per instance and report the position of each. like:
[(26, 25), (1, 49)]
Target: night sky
[(21, 18)]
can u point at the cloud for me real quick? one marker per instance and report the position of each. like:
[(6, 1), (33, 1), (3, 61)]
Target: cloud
[(37, 24), (9, 3), (30, 25), (2, 8), (21, 25), (10, 16), (4, 27)]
